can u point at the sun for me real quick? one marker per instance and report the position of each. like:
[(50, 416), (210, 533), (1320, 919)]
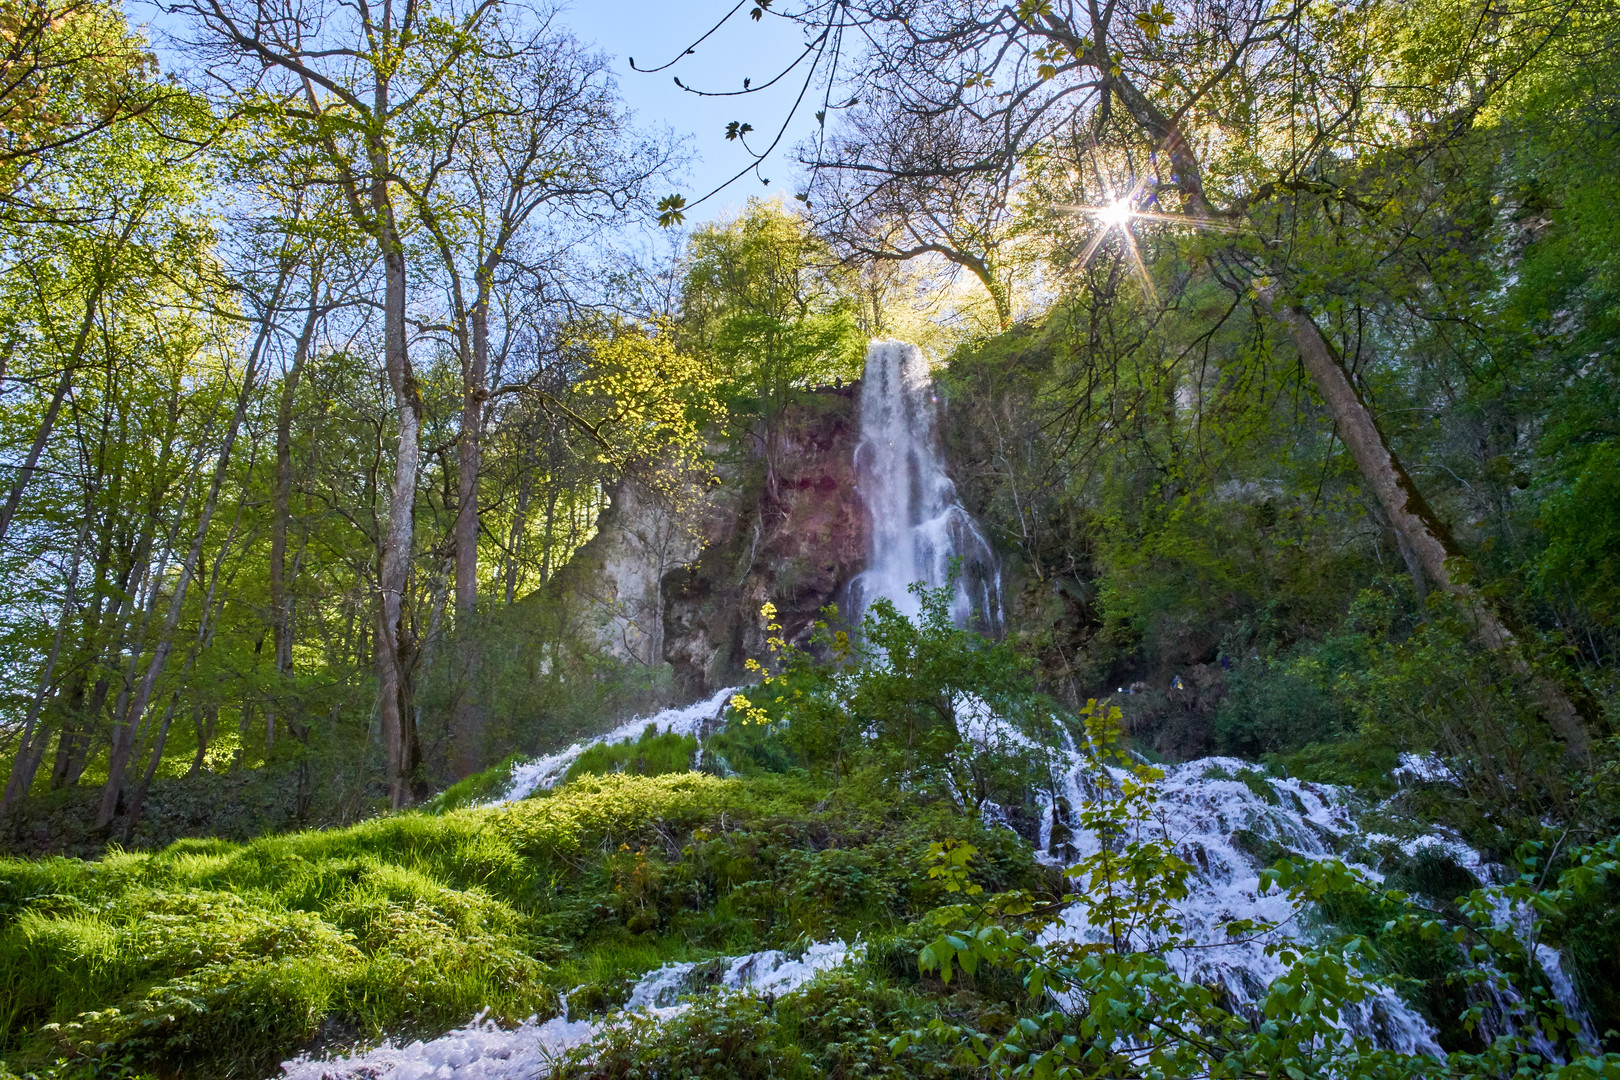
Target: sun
[(1114, 215)]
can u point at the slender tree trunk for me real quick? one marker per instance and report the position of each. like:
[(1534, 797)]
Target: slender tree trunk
[(79, 729), (395, 557), (1424, 534), (26, 471), (141, 595), (281, 616), (470, 722), (520, 515), (203, 721)]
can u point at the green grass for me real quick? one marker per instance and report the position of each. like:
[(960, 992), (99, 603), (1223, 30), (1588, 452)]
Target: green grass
[(211, 958), (651, 755)]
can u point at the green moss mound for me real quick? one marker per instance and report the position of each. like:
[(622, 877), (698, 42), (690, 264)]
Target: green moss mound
[(653, 754), (211, 958)]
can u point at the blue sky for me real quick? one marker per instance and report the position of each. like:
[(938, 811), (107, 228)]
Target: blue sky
[(654, 33)]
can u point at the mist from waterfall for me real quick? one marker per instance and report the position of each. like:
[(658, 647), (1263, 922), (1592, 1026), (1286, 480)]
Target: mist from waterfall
[(917, 525)]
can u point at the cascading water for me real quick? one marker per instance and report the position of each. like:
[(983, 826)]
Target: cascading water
[(485, 1051), (542, 774), (1213, 811), (918, 527)]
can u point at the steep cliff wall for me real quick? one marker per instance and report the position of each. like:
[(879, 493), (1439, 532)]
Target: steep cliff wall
[(614, 582), (681, 581), (797, 550)]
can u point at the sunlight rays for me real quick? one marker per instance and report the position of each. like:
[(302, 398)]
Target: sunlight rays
[(1118, 213)]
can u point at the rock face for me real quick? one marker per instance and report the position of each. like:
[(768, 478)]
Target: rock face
[(797, 550), (616, 578)]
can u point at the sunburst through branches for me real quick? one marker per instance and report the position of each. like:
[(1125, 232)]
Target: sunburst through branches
[(1119, 213)]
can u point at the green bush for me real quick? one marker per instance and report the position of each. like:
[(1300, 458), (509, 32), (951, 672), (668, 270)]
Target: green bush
[(1581, 521), (837, 1026), (907, 702), (1277, 706)]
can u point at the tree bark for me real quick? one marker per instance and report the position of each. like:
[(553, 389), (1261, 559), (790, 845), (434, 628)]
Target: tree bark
[(1424, 534), (281, 616), (395, 717), (470, 723)]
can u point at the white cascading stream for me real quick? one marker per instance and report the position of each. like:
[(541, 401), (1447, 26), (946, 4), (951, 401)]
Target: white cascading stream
[(542, 774), (917, 525)]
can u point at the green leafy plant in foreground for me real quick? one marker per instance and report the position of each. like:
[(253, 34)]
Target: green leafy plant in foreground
[(1110, 1003), (909, 700)]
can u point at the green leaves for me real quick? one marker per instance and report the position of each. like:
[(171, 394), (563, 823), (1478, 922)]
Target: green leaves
[(1154, 20), (736, 129), (949, 865), (669, 210)]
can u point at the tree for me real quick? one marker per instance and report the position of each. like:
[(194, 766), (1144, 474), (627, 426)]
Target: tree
[(761, 294), (348, 86), (926, 206), (109, 303), (69, 70), (535, 156)]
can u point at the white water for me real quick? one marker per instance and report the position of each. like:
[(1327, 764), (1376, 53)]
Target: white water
[(1204, 815), (1208, 816), (542, 774), (918, 526), (768, 972), (485, 1051)]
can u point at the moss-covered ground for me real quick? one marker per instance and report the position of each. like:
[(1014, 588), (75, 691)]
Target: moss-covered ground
[(211, 958)]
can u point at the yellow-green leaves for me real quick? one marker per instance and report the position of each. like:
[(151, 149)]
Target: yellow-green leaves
[(1154, 20), (948, 861)]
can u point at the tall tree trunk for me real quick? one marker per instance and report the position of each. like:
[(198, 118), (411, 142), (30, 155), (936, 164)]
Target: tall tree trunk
[(203, 720), (281, 616), (25, 472), (394, 716), (470, 724), (142, 595), (1426, 537)]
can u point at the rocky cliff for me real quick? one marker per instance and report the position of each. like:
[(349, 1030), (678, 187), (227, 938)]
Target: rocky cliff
[(681, 581), (797, 549)]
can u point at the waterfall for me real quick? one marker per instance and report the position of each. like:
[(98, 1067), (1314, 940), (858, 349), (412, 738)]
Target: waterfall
[(917, 525)]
